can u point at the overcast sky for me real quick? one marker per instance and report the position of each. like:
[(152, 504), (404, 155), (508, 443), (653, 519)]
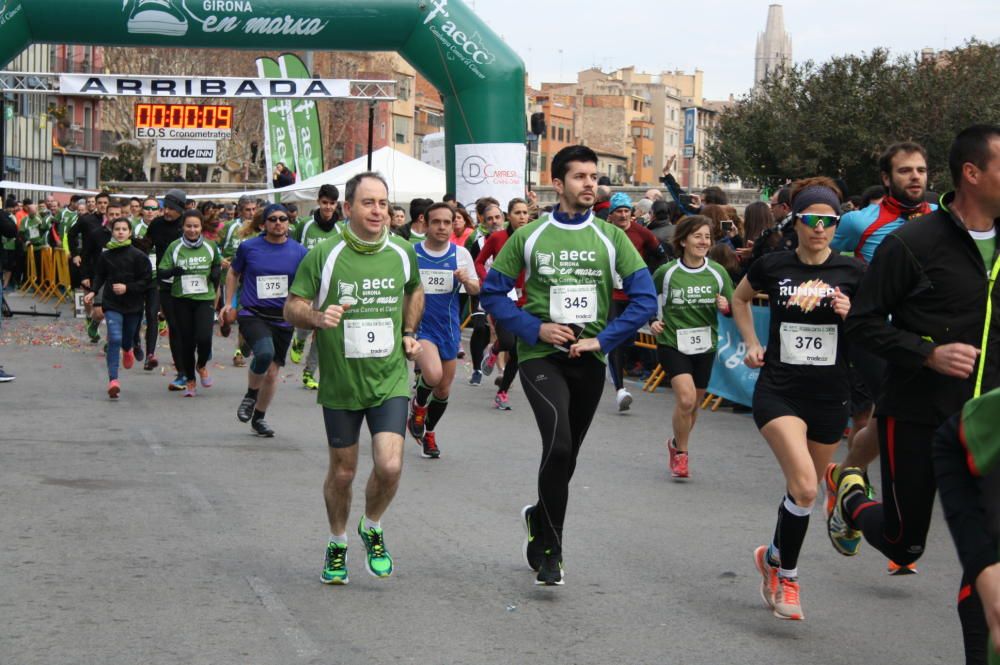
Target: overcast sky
[(719, 36)]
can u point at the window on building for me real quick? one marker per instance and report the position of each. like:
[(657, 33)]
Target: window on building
[(401, 129), (647, 161), (542, 162), (637, 131), (358, 150), (552, 132), (562, 134), (404, 87), (88, 126)]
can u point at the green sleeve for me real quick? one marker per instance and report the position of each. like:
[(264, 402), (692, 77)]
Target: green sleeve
[(658, 278), (510, 260), (628, 260), (414, 281), (167, 260), (306, 283)]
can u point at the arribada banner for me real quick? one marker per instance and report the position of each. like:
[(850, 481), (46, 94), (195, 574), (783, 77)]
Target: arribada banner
[(199, 86), (489, 169)]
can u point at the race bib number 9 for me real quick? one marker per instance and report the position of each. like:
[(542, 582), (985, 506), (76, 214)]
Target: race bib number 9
[(803, 344), (692, 341), (272, 286), (192, 285), (437, 281), (574, 303), (368, 338)]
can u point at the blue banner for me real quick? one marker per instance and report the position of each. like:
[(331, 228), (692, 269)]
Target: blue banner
[(731, 378), (690, 121)]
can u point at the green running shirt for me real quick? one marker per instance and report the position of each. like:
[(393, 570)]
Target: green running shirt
[(310, 234), (197, 263), (364, 354), (687, 303), (570, 272)]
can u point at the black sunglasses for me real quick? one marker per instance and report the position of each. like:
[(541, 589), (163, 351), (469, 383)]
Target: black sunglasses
[(277, 219)]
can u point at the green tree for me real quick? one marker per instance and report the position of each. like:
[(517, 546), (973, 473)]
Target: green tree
[(836, 118)]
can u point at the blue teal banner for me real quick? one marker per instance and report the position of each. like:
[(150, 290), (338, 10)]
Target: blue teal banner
[(731, 378)]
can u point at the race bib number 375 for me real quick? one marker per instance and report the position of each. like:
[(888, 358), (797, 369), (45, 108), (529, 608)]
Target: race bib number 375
[(272, 286), (368, 338)]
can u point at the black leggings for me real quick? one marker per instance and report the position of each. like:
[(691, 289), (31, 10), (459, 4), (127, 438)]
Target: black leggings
[(167, 301), (480, 338), (954, 481), (152, 304), (564, 394), (898, 526), (507, 341), (194, 319)]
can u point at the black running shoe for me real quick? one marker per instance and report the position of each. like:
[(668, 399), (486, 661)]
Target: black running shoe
[(533, 550), (261, 428), (551, 572), (245, 410)]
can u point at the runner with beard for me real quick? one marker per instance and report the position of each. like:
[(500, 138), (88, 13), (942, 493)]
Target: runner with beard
[(572, 264), (903, 168)]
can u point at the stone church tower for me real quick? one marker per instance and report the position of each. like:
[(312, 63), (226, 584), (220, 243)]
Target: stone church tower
[(774, 45)]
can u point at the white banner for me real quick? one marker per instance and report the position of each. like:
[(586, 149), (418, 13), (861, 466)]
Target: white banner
[(187, 152), (196, 86), (489, 169)]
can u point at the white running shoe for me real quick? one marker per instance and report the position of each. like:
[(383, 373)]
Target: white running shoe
[(624, 400)]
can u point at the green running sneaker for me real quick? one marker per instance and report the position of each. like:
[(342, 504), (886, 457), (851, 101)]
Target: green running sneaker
[(845, 540), (335, 566), (378, 561), (309, 381), (298, 346)]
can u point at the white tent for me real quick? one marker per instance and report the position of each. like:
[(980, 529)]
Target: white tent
[(408, 179)]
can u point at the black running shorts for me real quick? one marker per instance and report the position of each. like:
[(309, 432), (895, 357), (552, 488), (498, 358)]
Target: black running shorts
[(675, 363), (343, 427), (825, 419)]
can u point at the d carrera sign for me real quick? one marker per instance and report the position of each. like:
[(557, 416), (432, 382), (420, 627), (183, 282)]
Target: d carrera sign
[(184, 86)]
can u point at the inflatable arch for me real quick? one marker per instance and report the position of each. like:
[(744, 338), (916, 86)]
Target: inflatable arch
[(479, 77)]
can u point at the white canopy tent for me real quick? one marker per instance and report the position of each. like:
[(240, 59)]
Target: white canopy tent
[(408, 179)]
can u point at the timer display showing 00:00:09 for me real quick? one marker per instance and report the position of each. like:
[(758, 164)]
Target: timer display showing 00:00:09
[(183, 116)]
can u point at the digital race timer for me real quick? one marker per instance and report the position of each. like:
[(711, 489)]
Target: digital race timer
[(183, 116)]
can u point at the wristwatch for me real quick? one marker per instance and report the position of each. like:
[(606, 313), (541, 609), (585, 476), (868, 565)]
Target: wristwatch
[(409, 334)]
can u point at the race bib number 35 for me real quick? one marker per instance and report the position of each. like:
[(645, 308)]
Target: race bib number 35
[(368, 338), (192, 285), (803, 344), (692, 341), (437, 281), (575, 303), (272, 286)]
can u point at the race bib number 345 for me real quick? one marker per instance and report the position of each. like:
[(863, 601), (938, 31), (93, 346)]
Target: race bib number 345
[(803, 344), (573, 303), (368, 338)]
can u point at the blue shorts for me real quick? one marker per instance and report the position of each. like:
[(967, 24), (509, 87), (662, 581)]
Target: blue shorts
[(447, 348)]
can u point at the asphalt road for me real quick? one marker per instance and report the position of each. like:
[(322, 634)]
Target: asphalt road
[(158, 530)]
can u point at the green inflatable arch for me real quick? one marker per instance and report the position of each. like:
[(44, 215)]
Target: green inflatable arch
[(480, 78)]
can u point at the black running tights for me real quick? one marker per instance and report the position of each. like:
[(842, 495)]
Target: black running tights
[(564, 394)]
